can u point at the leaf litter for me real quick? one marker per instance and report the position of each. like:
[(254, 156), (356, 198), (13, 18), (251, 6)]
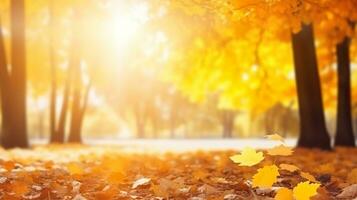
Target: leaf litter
[(73, 172)]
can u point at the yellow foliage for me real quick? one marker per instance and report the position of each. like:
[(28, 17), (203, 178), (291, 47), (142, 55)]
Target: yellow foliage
[(266, 176), (305, 190), (248, 157)]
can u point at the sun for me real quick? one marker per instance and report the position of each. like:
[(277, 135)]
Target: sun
[(126, 23)]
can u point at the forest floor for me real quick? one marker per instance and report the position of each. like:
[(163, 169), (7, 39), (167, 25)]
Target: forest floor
[(81, 172)]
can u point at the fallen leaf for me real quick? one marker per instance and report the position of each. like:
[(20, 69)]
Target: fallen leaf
[(140, 182), (349, 192), (280, 150), (308, 176), (79, 197), (352, 176), (288, 167), (266, 176), (74, 168), (248, 157), (284, 194), (305, 190)]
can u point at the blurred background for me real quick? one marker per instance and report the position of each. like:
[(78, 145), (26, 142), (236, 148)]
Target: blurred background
[(152, 69)]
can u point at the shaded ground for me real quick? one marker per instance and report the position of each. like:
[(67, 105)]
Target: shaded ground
[(79, 172)]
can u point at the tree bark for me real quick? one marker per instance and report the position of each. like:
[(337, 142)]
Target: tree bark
[(344, 131), (4, 89), (313, 132), (15, 133)]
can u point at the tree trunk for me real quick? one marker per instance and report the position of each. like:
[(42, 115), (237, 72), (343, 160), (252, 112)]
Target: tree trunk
[(4, 89), (60, 133), (54, 137), (79, 106), (344, 131), (140, 122), (313, 132), (74, 133), (227, 123), (15, 127)]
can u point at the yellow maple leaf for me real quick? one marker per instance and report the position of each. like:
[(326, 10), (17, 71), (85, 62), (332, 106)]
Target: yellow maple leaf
[(305, 190), (276, 137), (280, 150), (308, 176), (266, 176), (248, 157), (288, 167), (284, 194)]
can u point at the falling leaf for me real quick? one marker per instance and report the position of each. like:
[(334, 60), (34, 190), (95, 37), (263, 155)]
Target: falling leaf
[(280, 150), (284, 194), (288, 167), (276, 137), (308, 176), (266, 176), (140, 182), (248, 157), (305, 190)]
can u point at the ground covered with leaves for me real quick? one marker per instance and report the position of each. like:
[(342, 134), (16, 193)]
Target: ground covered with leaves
[(83, 172)]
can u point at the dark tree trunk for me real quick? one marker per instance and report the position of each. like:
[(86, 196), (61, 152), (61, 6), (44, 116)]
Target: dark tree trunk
[(228, 123), (15, 127), (4, 89), (344, 131), (313, 132)]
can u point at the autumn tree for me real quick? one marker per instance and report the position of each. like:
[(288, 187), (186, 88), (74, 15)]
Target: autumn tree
[(313, 132)]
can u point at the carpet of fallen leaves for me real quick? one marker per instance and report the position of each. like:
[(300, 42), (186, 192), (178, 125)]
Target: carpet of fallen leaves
[(83, 172)]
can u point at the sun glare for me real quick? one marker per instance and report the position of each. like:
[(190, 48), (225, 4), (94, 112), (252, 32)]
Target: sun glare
[(126, 24)]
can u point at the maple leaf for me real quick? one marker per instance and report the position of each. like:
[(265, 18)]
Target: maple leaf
[(284, 194), (266, 176), (276, 137), (248, 157), (288, 167), (305, 190), (280, 150)]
